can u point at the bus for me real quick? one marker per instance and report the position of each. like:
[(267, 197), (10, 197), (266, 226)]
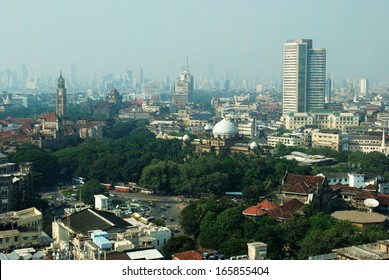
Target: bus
[(122, 189)]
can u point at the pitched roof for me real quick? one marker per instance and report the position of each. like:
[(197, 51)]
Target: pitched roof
[(92, 219), (364, 195), (346, 189), (311, 181), (287, 210), (370, 188), (259, 209), (300, 188), (188, 255)]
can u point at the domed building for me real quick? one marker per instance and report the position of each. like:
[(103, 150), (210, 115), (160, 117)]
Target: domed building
[(224, 129), (225, 138)]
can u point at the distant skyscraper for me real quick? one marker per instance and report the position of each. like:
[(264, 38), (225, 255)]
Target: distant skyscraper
[(304, 71), (139, 79), (364, 87), (61, 97), (183, 87), (72, 75)]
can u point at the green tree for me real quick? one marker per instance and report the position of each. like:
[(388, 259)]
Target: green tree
[(177, 244), (45, 166), (190, 220), (90, 189), (234, 246)]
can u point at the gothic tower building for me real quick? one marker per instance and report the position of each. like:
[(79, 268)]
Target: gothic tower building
[(61, 97)]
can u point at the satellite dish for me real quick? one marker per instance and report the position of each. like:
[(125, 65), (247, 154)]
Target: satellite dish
[(370, 202)]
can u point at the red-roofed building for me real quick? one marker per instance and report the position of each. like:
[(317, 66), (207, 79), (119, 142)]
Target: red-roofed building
[(259, 209), (311, 181), (302, 187), (287, 210), (187, 256)]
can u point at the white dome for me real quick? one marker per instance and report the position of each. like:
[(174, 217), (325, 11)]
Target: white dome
[(225, 128), (253, 145), (186, 138)]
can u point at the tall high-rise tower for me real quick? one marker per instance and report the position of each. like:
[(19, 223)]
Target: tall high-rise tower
[(183, 87), (61, 97), (304, 71)]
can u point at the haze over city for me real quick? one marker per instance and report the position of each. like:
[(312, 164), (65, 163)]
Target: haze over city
[(245, 36)]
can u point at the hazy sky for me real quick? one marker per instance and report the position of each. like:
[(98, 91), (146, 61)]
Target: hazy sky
[(244, 35)]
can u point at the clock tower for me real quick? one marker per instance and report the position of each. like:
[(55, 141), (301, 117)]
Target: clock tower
[(61, 97)]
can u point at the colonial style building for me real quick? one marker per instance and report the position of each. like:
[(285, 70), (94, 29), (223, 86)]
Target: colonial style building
[(225, 139), (323, 119)]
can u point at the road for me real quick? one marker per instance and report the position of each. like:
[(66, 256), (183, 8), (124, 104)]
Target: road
[(173, 211)]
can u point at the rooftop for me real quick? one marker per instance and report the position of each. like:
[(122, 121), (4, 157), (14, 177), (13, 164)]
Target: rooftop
[(359, 217)]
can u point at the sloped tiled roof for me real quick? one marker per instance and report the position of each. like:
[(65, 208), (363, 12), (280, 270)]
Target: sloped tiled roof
[(287, 210), (188, 255), (259, 209), (311, 181), (364, 195), (346, 189), (91, 219), (370, 188), (300, 188)]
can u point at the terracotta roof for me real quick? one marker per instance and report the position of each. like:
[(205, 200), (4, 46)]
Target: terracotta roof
[(287, 210), (51, 117), (370, 187), (259, 209), (346, 189), (383, 199), (364, 195), (301, 188), (188, 255), (311, 181)]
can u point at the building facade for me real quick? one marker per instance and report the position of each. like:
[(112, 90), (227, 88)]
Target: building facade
[(183, 88), (304, 69), (15, 185), (20, 228), (323, 119)]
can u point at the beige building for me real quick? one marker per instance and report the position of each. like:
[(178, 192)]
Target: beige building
[(333, 139), (21, 228), (321, 119)]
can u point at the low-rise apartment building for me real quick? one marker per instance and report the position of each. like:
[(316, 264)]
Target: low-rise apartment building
[(20, 228), (333, 139)]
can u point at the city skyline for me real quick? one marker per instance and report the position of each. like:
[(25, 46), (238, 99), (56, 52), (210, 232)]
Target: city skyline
[(246, 37)]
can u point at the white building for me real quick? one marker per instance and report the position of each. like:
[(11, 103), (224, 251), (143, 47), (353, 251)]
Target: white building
[(101, 202)]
